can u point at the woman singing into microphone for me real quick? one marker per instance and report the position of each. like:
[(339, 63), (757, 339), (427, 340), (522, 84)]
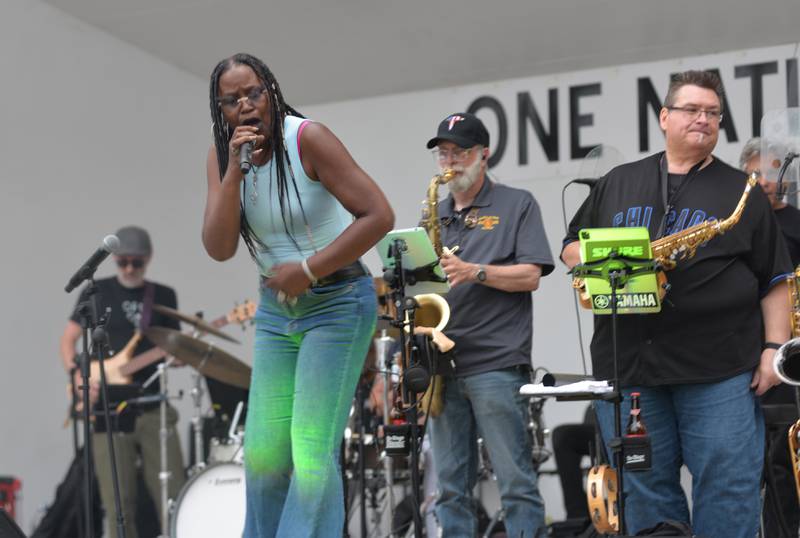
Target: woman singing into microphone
[(306, 212)]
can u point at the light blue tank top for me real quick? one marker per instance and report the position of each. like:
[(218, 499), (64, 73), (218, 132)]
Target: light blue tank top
[(326, 217)]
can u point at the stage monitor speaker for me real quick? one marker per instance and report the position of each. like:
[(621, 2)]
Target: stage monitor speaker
[(8, 527)]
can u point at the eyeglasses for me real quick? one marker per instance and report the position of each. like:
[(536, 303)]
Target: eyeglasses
[(136, 263), (230, 103), (457, 155), (694, 112)]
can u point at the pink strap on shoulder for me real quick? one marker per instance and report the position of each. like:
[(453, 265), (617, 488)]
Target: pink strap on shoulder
[(299, 133)]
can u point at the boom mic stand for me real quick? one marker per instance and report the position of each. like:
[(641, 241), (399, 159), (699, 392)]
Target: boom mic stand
[(93, 328)]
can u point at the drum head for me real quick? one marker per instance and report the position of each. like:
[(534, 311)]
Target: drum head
[(211, 504)]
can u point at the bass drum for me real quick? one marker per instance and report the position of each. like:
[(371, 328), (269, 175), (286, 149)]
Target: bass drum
[(211, 504)]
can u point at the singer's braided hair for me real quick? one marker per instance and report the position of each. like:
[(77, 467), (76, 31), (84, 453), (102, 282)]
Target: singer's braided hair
[(280, 155)]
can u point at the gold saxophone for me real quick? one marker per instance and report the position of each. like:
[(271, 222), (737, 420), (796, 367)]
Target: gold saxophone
[(787, 361), (432, 399), (430, 209), (668, 251)]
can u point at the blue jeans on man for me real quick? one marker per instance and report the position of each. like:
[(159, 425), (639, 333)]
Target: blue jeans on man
[(717, 431), (489, 406)]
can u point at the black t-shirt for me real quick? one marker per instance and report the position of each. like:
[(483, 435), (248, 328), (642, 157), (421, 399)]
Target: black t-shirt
[(710, 325), (126, 311), (789, 220)]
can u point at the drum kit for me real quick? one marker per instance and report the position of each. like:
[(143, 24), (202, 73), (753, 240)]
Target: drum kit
[(220, 482)]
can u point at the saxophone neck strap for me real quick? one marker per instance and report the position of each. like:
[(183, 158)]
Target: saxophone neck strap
[(668, 201)]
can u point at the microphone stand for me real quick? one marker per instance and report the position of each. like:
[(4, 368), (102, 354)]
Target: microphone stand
[(75, 440), (616, 269), (94, 325), (407, 307)]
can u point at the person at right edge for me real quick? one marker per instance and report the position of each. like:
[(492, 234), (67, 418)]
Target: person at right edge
[(502, 254), (701, 363), (779, 456)]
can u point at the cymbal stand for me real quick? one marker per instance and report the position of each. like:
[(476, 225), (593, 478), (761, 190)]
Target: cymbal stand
[(197, 423), (197, 419), (164, 474), (384, 363)]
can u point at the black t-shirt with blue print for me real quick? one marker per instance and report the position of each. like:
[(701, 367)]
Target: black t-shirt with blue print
[(710, 326)]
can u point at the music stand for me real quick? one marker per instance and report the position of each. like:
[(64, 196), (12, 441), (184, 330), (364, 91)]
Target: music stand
[(409, 260), (605, 259)]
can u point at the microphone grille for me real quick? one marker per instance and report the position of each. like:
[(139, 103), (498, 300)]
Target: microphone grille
[(111, 243)]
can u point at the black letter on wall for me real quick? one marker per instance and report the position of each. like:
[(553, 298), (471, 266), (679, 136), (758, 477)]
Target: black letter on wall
[(646, 95), (756, 72), (526, 111), (791, 83), (578, 120)]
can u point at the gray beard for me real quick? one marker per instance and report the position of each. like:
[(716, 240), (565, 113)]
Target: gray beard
[(466, 179)]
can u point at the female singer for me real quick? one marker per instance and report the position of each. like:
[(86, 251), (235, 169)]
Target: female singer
[(306, 212)]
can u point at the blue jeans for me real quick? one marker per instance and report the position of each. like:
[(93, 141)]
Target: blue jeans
[(308, 358), (717, 430), (488, 405)]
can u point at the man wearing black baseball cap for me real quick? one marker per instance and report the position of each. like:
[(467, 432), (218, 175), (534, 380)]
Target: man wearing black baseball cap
[(502, 254), (131, 298)]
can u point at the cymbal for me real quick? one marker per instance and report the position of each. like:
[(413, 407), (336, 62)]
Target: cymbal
[(198, 323), (203, 356)]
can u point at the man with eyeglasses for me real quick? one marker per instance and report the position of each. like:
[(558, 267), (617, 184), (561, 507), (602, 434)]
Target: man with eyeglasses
[(502, 254), (784, 498), (703, 361), (131, 298)]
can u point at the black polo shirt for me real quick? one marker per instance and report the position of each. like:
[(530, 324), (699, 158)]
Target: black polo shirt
[(710, 326), (493, 329)]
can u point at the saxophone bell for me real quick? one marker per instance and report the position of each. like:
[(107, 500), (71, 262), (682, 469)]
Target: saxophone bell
[(787, 362)]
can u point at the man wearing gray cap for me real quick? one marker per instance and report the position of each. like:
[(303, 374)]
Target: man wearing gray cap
[(130, 298), (502, 254)]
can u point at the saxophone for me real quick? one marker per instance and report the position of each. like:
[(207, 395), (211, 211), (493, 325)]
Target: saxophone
[(669, 250), (433, 397), (430, 209), (786, 363)]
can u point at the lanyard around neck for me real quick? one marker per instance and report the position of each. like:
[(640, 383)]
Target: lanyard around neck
[(668, 201)]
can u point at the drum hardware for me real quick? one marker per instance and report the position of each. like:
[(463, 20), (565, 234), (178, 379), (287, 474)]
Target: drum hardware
[(538, 432), (384, 362), (230, 449)]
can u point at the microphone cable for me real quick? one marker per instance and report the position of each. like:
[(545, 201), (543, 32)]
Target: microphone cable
[(574, 294)]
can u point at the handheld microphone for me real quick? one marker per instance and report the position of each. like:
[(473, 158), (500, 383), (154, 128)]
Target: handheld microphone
[(245, 157), (588, 181), (110, 244)]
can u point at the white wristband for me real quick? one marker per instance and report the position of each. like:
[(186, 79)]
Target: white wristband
[(307, 271)]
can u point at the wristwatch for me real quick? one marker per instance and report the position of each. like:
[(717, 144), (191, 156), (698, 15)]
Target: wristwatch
[(480, 274)]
